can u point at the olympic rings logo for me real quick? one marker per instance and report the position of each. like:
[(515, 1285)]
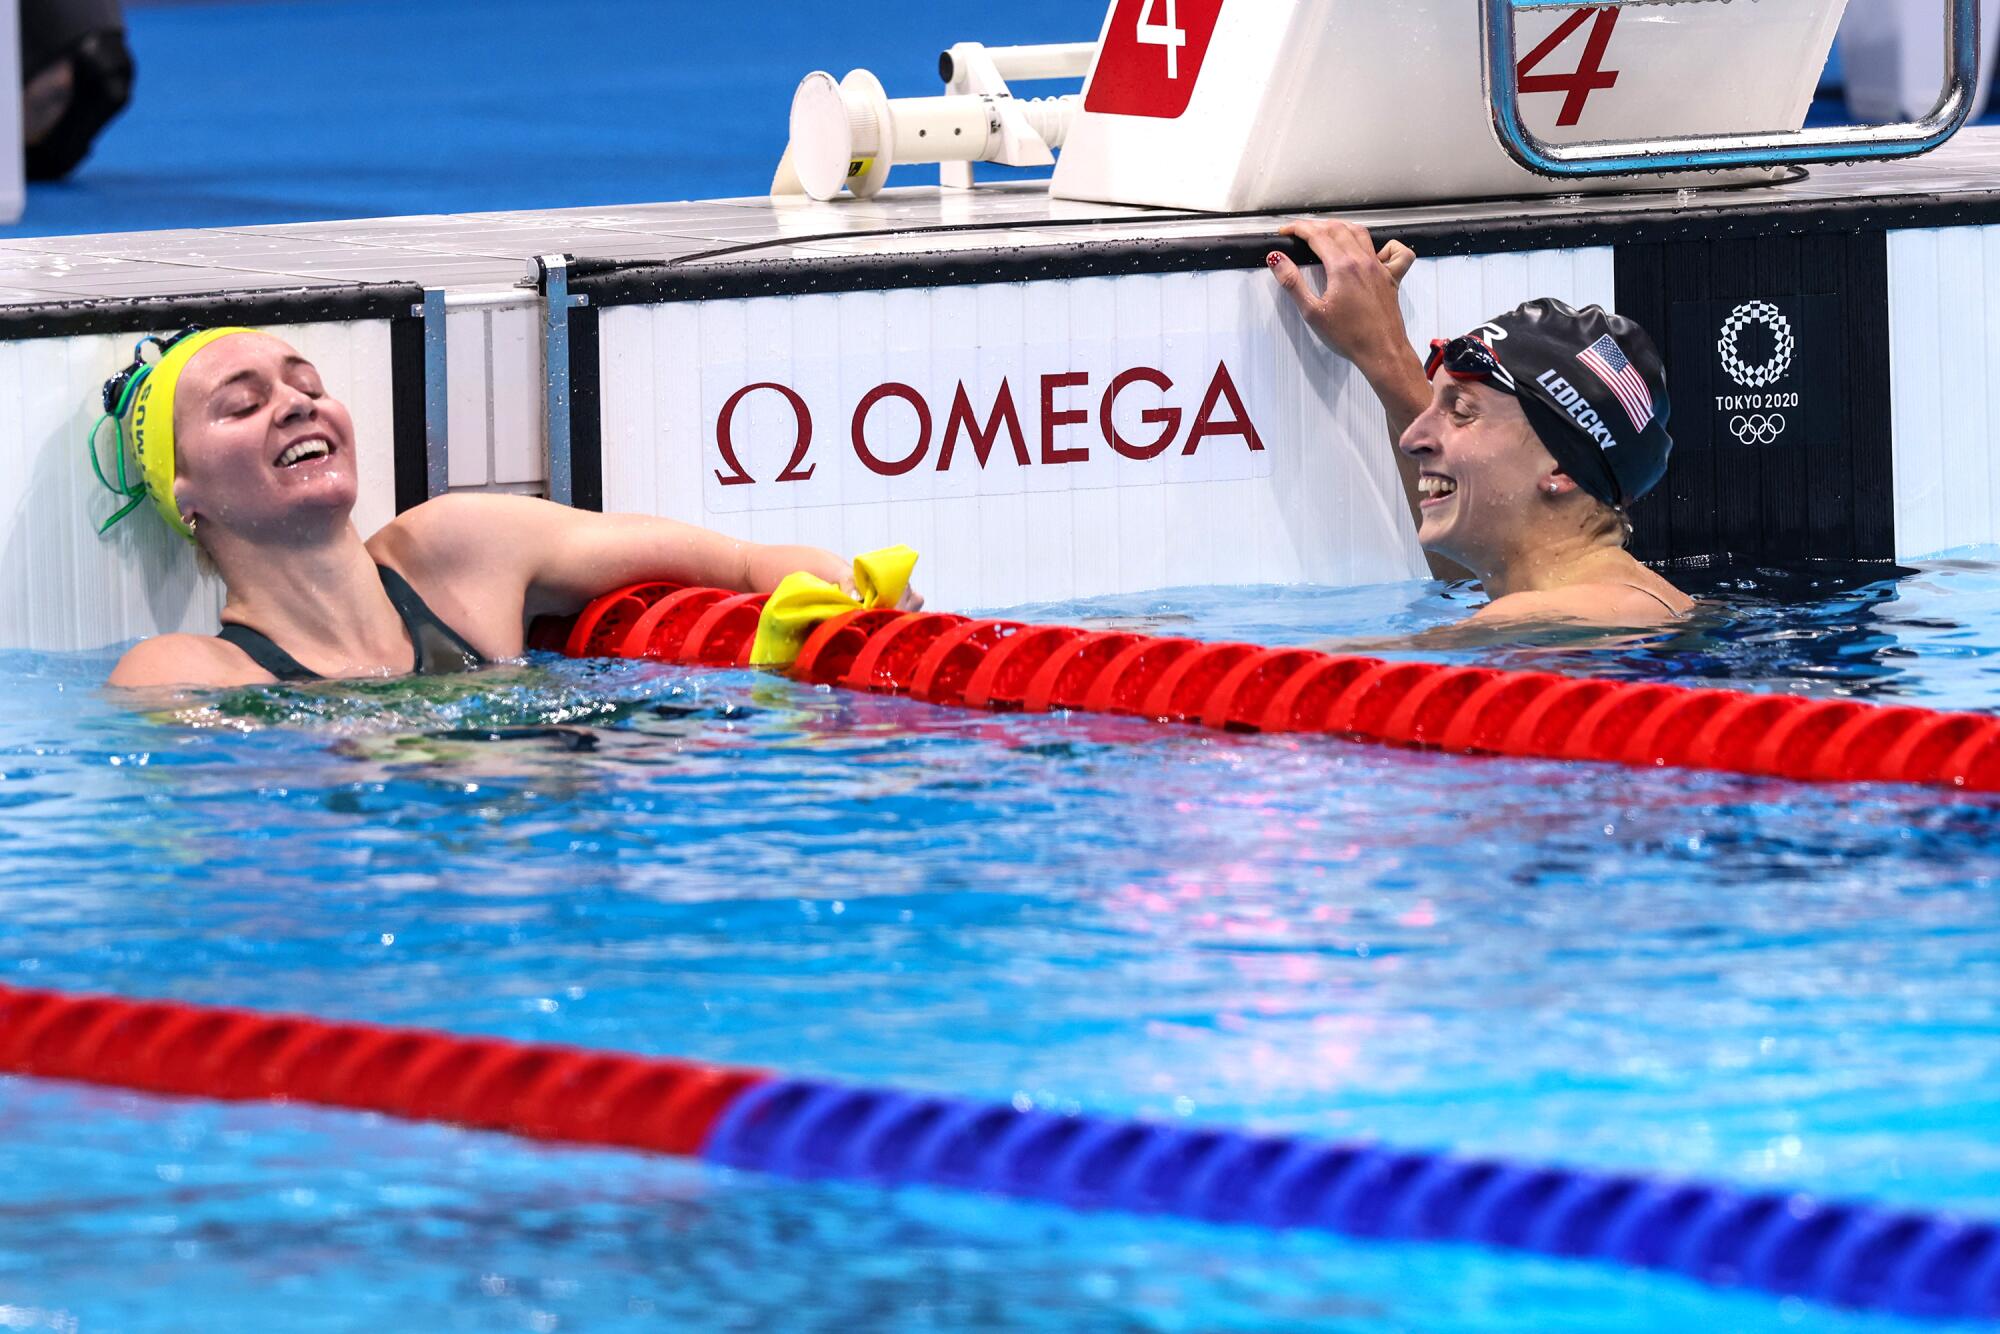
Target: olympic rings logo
[(1757, 429), (1764, 372)]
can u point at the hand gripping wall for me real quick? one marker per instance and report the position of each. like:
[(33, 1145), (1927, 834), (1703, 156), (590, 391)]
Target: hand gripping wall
[(1010, 666)]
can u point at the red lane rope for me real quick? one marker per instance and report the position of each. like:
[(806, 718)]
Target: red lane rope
[(1007, 666), (533, 1090)]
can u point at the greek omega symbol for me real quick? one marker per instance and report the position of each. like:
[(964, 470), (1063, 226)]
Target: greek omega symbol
[(1757, 429), (1764, 372)]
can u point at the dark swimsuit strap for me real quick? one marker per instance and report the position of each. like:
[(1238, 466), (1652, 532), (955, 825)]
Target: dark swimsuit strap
[(1657, 598), (439, 648), (262, 650)]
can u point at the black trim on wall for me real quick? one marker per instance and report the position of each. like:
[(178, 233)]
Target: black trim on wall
[(745, 274), (143, 315), (586, 410), (1822, 487), (406, 402)]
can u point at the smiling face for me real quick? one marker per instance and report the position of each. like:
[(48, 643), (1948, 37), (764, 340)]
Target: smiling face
[(261, 449), (1483, 473)]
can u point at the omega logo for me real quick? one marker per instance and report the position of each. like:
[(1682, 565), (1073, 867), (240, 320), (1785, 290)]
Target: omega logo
[(972, 433)]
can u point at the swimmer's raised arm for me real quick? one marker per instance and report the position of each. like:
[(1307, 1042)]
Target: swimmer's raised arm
[(1359, 314)]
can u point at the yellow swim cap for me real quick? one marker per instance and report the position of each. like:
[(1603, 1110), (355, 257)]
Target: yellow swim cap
[(150, 389)]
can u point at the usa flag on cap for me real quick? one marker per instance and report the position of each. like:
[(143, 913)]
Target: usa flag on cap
[(1607, 361)]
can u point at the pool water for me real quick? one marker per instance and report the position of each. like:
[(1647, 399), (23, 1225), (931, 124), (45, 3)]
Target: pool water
[(1772, 984)]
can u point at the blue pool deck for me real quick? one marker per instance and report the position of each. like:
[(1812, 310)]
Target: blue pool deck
[(458, 106)]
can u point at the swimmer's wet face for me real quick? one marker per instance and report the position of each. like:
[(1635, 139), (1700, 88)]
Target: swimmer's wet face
[(263, 450), (1483, 474)]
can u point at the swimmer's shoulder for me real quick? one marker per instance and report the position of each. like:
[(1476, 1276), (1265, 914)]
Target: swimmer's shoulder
[(1608, 603), (186, 660)]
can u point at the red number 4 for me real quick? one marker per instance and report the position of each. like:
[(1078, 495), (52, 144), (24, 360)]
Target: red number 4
[(1590, 73)]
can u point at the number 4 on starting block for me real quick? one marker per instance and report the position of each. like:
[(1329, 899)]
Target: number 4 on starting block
[(1170, 34), (1590, 73), (1132, 79)]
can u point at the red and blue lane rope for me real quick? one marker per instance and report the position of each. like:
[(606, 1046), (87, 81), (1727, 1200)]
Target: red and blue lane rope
[(1909, 1262)]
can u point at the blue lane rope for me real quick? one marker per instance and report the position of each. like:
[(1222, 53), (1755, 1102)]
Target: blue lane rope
[(1855, 1255)]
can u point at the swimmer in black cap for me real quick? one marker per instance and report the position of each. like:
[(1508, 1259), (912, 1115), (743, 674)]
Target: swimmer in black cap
[(1521, 442)]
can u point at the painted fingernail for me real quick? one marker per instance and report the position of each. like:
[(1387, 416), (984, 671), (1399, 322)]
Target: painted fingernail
[(1273, 258)]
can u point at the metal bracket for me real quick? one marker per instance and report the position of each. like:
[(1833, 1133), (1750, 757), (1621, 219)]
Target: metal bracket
[(551, 277), (970, 68), (437, 396), (1625, 157)]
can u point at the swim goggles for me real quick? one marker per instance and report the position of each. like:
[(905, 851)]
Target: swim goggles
[(1467, 358), (118, 394)]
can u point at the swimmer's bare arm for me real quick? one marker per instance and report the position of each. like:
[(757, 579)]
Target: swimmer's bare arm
[(561, 557)]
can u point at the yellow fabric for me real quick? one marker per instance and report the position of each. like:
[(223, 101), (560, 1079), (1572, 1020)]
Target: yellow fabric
[(804, 601), (153, 424)]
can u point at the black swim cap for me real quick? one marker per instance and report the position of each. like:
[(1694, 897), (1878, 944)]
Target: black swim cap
[(1593, 388)]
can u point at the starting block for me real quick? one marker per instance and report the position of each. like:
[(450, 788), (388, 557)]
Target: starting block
[(1254, 105)]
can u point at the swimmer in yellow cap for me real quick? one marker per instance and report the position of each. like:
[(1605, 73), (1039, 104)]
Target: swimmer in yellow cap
[(241, 450)]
